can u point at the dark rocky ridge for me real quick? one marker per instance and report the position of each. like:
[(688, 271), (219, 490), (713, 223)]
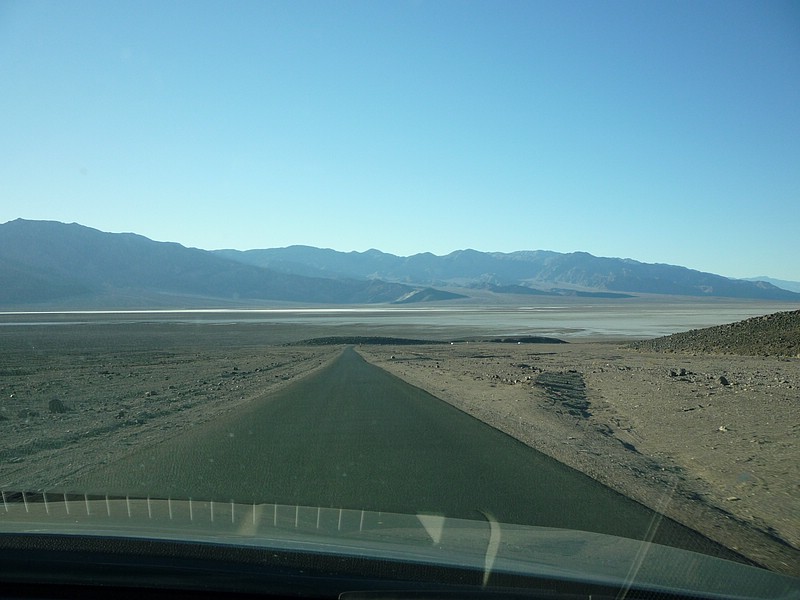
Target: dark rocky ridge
[(777, 334)]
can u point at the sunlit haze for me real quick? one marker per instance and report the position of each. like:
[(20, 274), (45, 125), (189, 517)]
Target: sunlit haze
[(661, 131)]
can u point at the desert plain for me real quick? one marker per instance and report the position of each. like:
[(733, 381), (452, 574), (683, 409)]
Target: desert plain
[(709, 440)]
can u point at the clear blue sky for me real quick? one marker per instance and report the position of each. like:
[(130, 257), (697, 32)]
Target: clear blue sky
[(660, 131)]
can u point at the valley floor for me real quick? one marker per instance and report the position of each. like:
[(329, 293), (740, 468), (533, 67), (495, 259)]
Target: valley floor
[(710, 441)]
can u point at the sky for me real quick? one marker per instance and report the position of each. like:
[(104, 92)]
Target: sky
[(665, 132)]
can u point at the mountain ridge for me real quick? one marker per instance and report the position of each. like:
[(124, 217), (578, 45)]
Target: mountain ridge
[(70, 265), (792, 286), (542, 270), (89, 267)]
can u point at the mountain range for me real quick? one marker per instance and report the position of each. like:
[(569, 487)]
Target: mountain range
[(792, 286), (57, 265)]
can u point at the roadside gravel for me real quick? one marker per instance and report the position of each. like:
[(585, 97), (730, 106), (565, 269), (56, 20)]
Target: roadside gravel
[(63, 414), (711, 441)]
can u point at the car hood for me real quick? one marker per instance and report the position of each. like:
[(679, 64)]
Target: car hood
[(483, 545)]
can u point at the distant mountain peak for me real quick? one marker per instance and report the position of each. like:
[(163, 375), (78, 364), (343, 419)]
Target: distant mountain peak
[(48, 261), (540, 270), (792, 286), (72, 266)]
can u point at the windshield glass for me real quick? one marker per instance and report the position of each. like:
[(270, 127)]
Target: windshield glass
[(521, 264)]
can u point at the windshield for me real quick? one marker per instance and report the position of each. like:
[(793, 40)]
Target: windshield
[(528, 267)]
